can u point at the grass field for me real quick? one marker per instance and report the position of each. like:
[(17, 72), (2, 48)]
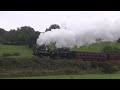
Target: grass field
[(82, 76), (23, 50)]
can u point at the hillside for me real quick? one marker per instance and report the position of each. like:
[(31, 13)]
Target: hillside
[(97, 47)]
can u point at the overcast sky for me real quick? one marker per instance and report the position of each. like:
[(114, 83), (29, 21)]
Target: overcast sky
[(40, 20)]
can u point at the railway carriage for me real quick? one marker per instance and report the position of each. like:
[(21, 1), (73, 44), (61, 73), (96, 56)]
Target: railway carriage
[(114, 56), (91, 56)]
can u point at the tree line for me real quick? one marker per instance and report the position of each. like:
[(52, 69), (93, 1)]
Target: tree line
[(24, 35)]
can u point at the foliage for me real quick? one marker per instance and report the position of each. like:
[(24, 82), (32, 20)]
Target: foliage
[(35, 66), (109, 67), (2, 32), (24, 35), (53, 26), (118, 40)]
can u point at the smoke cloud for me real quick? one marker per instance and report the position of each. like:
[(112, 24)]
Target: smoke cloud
[(81, 34)]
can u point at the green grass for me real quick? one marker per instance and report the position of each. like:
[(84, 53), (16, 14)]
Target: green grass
[(82, 76), (23, 50), (97, 47)]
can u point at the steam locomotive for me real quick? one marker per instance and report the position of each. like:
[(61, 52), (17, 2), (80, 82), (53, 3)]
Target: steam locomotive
[(65, 53)]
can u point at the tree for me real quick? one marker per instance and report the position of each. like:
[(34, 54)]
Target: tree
[(10, 37), (98, 40), (24, 35), (2, 32), (53, 26), (118, 40), (37, 34), (28, 35)]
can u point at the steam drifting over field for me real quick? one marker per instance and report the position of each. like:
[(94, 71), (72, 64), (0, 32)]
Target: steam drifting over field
[(81, 34)]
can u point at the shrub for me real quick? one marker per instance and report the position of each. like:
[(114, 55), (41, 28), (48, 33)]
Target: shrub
[(108, 67)]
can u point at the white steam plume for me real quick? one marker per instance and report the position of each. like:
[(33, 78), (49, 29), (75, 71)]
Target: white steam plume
[(81, 34)]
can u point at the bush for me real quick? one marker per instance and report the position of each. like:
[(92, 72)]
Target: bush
[(108, 67)]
